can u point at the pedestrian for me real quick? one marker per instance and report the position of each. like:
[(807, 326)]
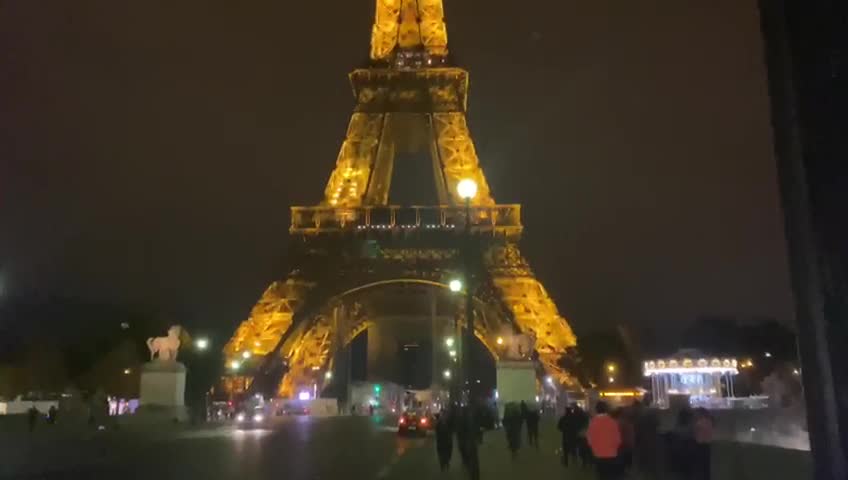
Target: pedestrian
[(512, 427), (567, 425), (32, 417), (51, 414), (703, 435), (646, 436), (467, 435), (681, 446), (531, 418), (371, 410), (444, 439), (604, 439), (624, 417), (583, 450)]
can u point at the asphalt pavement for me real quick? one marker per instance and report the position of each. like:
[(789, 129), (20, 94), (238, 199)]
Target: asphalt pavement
[(305, 448)]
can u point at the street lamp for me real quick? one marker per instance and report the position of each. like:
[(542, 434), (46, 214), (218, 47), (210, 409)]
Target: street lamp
[(245, 354), (235, 364), (611, 367), (328, 375), (499, 341), (447, 374), (455, 285), (612, 379), (467, 189), (201, 343), (449, 342)]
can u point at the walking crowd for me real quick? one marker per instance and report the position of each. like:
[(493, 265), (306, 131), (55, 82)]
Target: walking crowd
[(622, 443), (627, 442)]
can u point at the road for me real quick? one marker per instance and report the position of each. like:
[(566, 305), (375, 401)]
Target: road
[(292, 448)]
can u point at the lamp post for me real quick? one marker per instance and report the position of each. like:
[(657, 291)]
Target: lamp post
[(467, 190)]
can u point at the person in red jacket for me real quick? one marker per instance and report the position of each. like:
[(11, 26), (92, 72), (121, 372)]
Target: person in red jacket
[(604, 439)]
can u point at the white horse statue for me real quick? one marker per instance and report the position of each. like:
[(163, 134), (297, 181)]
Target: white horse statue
[(166, 347)]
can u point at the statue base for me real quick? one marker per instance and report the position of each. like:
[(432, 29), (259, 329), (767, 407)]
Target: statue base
[(162, 392), (516, 380)]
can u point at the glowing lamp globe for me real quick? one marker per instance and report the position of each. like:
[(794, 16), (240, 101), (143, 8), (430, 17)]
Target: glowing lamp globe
[(455, 285), (467, 189)]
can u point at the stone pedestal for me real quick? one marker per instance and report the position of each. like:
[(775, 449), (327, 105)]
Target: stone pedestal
[(516, 383), (162, 393)]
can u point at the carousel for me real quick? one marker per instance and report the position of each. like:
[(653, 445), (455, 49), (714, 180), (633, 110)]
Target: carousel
[(705, 381)]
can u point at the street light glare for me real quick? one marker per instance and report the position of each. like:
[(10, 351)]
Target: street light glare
[(235, 364), (201, 343), (449, 342), (447, 373), (467, 189), (611, 367), (611, 379), (328, 375), (499, 341), (455, 285), (245, 354)]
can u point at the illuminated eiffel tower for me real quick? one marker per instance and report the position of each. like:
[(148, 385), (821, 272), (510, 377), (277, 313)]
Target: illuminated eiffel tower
[(409, 99)]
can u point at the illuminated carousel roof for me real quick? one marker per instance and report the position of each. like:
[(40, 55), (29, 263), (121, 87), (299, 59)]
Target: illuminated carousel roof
[(690, 361)]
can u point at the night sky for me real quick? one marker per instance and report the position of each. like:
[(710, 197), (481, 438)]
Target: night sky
[(149, 151)]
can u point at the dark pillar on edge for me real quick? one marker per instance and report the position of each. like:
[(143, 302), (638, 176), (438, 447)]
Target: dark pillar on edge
[(806, 47)]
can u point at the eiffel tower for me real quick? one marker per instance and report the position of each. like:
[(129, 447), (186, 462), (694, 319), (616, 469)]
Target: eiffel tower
[(410, 98)]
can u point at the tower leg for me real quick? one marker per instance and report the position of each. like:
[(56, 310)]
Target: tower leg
[(533, 311)]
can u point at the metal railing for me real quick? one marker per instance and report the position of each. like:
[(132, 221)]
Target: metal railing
[(495, 218)]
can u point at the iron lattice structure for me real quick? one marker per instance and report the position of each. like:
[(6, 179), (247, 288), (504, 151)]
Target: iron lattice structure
[(410, 99)]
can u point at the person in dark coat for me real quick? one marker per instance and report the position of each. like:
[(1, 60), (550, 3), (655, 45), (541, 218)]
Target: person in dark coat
[(681, 446), (568, 427), (531, 418), (51, 414), (512, 427), (468, 437), (583, 450), (646, 451), (444, 440), (32, 417)]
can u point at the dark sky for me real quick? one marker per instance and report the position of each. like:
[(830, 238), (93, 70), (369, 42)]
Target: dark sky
[(150, 150)]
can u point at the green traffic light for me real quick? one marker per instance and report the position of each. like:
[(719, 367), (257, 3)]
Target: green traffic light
[(377, 389)]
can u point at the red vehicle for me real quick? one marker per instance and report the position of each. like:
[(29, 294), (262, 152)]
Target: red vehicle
[(414, 423)]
